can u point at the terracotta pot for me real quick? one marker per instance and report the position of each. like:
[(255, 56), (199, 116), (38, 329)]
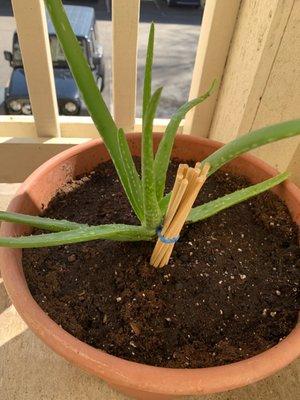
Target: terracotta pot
[(138, 380)]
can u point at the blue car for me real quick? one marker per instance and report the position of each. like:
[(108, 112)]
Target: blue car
[(195, 3), (16, 95)]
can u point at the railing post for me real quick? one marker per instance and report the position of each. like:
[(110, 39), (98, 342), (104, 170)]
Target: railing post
[(257, 39), (125, 19), (279, 98), (34, 43), (216, 31), (261, 83)]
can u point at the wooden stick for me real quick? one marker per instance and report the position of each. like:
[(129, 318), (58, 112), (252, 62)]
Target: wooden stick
[(157, 257), (181, 172), (194, 190), (182, 169), (175, 204), (198, 165), (182, 199), (205, 170), (185, 207), (178, 180), (191, 175), (167, 255), (168, 220), (176, 196), (178, 222)]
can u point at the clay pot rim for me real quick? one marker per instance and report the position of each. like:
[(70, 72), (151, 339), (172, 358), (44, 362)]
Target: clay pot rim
[(127, 373)]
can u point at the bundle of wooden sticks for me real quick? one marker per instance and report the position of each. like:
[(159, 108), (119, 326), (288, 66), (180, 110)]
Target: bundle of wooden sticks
[(187, 185)]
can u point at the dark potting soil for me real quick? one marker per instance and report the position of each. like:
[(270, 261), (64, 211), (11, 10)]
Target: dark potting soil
[(229, 291)]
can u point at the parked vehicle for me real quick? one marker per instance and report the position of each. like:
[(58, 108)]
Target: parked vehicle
[(172, 3), (69, 100)]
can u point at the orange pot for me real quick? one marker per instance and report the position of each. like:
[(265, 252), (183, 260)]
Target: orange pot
[(138, 380)]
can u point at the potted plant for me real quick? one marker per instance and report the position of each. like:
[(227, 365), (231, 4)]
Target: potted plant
[(156, 332)]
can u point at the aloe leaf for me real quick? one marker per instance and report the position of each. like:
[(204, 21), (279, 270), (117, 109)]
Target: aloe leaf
[(164, 202), (86, 83), (163, 154), (152, 215), (251, 141), (82, 74), (213, 207), (54, 225), (148, 70), (117, 232), (133, 181)]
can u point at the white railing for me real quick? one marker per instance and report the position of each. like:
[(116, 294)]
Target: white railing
[(244, 43), (34, 44)]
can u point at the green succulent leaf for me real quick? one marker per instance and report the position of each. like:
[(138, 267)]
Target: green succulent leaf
[(89, 90), (54, 225), (83, 75), (148, 70), (152, 215), (251, 141), (163, 154), (117, 232), (133, 181), (213, 207), (164, 202)]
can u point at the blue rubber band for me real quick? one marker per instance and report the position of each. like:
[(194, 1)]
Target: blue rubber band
[(164, 239)]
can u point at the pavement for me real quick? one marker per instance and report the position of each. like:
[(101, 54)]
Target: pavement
[(177, 32), (29, 370)]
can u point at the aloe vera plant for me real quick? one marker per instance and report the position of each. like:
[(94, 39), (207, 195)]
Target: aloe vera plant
[(146, 192)]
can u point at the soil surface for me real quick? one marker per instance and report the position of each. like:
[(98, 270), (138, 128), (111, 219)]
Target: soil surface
[(230, 290)]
